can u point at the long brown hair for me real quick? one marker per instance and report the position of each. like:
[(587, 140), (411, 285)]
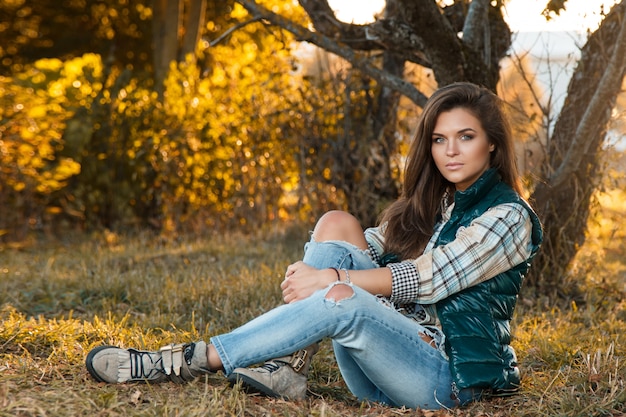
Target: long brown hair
[(410, 220)]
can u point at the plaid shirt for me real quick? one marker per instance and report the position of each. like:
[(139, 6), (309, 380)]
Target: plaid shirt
[(493, 243)]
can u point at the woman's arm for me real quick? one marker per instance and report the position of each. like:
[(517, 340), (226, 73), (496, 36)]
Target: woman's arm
[(302, 280)]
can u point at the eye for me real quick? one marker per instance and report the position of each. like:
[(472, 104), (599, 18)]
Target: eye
[(438, 139), (467, 137)]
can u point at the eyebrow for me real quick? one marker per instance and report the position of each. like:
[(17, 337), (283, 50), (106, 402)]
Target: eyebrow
[(465, 130)]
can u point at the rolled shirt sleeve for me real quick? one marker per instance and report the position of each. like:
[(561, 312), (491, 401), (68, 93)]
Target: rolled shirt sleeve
[(493, 243), (375, 242)]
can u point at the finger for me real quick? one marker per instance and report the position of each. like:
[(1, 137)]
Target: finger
[(288, 297), (286, 288), (294, 267)]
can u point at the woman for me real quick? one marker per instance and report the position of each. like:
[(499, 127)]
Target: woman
[(418, 309)]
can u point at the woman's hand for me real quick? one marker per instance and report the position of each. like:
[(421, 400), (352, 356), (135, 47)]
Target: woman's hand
[(302, 280)]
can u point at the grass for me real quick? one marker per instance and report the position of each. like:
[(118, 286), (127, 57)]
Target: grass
[(60, 298)]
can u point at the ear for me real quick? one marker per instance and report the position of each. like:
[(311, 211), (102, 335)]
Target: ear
[(492, 147)]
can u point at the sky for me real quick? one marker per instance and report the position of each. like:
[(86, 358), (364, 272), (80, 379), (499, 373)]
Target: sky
[(579, 15), (522, 15)]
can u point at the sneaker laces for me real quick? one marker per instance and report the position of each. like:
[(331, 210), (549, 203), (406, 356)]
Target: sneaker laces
[(138, 367), (188, 352), (270, 366)]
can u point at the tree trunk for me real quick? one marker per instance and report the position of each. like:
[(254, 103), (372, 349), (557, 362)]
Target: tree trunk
[(193, 21), (165, 30), (563, 198), (175, 34)]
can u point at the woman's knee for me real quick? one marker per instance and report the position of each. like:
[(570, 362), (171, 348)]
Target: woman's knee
[(339, 292), (339, 225)]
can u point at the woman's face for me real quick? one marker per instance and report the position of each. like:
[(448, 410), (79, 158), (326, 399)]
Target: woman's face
[(460, 147)]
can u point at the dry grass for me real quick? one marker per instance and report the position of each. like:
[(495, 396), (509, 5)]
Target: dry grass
[(59, 299)]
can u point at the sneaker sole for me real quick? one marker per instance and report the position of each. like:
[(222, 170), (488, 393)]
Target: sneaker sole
[(251, 386), (89, 360)]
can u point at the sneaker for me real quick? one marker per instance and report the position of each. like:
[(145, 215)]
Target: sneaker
[(178, 363), (284, 377)]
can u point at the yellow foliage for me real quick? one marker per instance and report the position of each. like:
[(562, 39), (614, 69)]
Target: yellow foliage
[(27, 133), (67, 168), (56, 90), (52, 65), (238, 12), (74, 68), (34, 123), (37, 111), (224, 140)]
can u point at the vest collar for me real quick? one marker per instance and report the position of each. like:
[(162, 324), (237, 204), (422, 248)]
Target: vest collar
[(477, 191)]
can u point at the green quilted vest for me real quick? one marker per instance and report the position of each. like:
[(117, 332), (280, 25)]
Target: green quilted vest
[(476, 321)]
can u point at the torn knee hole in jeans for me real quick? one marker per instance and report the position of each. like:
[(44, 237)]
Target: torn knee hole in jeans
[(339, 291)]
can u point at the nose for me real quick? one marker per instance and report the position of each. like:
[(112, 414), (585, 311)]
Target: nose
[(452, 148)]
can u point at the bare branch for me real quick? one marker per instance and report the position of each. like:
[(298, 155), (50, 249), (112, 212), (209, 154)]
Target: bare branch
[(517, 61), (233, 29)]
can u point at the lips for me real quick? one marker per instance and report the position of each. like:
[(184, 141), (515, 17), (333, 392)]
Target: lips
[(454, 165)]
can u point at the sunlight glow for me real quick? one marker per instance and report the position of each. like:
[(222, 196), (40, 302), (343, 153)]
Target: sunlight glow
[(579, 15), (356, 11), (522, 15)]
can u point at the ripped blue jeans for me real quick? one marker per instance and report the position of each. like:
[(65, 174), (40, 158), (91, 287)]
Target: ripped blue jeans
[(379, 351)]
